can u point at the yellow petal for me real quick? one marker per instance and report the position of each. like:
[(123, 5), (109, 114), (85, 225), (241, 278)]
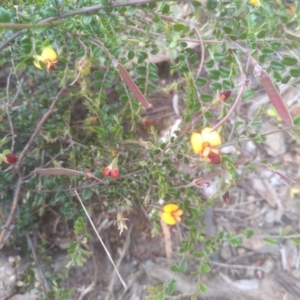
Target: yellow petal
[(167, 218), (211, 137), (38, 58), (255, 2), (49, 54), (197, 142), (168, 208)]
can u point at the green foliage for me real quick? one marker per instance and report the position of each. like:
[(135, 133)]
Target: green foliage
[(99, 115)]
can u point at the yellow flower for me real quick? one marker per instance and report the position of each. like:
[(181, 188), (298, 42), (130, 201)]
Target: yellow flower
[(256, 3), (206, 138), (48, 57), (171, 214)]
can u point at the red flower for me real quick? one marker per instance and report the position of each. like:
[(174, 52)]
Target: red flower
[(107, 171), (10, 159), (112, 169), (147, 123), (114, 173), (224, 96)]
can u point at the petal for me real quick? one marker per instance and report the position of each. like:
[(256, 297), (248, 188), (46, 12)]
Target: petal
[(214, 156), (177, 213), (211, 137), (38, 58), (197, 142), (167, 218), (205, 152), (168, 208), (49, 54)]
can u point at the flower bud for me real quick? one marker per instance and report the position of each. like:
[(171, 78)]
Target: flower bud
[(10, 159), (114, 173), (225, 95), (107, 171)]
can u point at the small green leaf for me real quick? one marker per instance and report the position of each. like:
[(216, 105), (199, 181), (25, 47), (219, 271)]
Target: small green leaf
[(171, 287), (243, 35), (297, 121), (226, 84), (87, 194), (271, 241), (195, 106), (211, 4), (227, 29), (87, 19), (213, 74), (257, 122), (141, 70), (166, 9), (295, 72), (183, 266), (175, 268), (206, 97), (203, 288), (261, 34), (4, 15), (267, 51), (248, 233), (236, 241), (219, 56), (200, 81), (224, 73), (210, 63), (205, 268), (296, 241), (248, 94), (289, 61), (179, 27), (216, 86), (286, 79), (277, 65)]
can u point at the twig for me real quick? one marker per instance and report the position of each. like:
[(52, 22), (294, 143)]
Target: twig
[(235, 266), (238, 97), (124, 251), (269, 87), (39, 126), (202, 53), (18, 167), (8, 114), (297, 35), (82, 11), (93, 283), (101, 241), (44, 281)]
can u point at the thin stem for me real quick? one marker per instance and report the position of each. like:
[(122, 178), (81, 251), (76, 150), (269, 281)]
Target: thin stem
[(101, 241)]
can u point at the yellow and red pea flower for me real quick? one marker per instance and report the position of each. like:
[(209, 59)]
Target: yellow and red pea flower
[(48, 57), (171, 214), (204, 143)]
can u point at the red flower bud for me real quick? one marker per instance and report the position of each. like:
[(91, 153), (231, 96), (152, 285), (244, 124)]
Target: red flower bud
[(10, 159), (147, 123), (107, 171), (114, 173), (226, 197), (224, 96)]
